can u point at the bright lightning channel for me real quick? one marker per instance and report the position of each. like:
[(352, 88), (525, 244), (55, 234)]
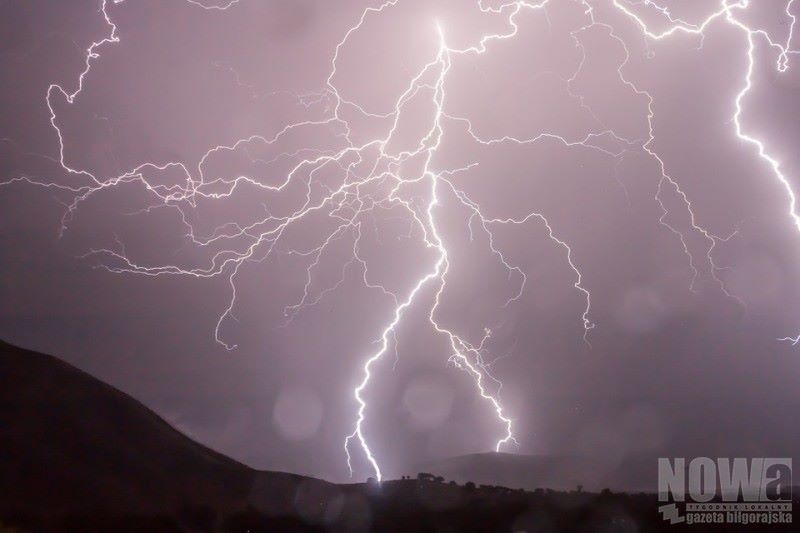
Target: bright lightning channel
[(355, 197)]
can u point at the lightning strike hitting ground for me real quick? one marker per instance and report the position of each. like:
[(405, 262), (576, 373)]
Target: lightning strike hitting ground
[(383, 186)]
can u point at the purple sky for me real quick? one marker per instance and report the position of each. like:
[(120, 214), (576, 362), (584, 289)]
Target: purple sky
[(678, 363)]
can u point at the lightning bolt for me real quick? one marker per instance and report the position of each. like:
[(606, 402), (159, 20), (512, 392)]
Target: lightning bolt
[(726, 13), (373, 178)]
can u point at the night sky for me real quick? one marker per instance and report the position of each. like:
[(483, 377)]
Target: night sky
[(693, 276)]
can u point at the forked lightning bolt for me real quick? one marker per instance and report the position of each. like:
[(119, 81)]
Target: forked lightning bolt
[(373, 178)]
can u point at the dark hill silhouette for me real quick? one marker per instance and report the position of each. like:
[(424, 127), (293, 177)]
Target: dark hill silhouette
[(632, 474), (69, 441)]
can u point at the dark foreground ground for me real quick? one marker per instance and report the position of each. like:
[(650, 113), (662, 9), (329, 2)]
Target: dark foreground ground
[(406, 506), (78, 455)]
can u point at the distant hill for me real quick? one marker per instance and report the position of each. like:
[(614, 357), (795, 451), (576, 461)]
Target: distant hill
[(633, 474), (69, 442)]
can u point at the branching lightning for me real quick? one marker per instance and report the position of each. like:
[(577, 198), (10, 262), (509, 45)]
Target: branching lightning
[(372, 180)]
